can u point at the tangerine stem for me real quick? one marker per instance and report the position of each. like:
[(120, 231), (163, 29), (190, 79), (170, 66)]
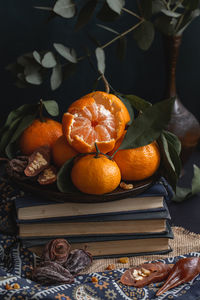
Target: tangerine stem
[(97, 151), (40, 111), (107, 87)]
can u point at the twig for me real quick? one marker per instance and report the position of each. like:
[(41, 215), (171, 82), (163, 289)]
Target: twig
[(122, 34), (107, 87), (179, 23), (131, 13), (177, 5)]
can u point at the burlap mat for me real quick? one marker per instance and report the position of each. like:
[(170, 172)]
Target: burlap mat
[(183, 242)]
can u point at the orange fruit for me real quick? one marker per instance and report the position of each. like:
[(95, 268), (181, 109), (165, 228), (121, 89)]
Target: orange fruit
[(98, 117), (139, 163), (95, 175), (39, 134), (62, 151)]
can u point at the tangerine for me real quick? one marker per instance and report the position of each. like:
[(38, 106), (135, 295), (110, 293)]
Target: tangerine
[(62, 151), (95, 174), (39, 134), (96, 118), (138, 163)]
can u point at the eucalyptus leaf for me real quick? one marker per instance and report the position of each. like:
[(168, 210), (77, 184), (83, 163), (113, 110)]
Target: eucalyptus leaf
[(43, 8), (196, 180), (166, 25), (108, 28), (173, 139), (144, 35), (49, 60), (7, 134), (51, 107), (65, 8), (37, 56), (170, 13), (100, 56), (34, 78), (64, 182), (137, 102), (157, 6), (66, 52), (56, 77), (106, 14), (11, 148), (147, 127), (121, 47), (85, 14), (181, 194), (128, 106), (116, 5)]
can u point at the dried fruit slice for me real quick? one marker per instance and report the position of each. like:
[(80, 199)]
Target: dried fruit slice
[(99, 117), (47, 176)]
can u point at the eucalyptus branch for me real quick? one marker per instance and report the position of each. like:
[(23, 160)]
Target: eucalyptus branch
[(107, 86), (179, 23), (166, 4), (132, 13), (123, 34), (177, 5)]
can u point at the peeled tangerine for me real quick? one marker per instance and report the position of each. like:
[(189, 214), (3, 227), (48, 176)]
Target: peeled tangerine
[(95, 174), (96, 118)]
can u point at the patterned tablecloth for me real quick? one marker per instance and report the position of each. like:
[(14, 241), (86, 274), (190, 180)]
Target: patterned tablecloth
[(16, 264)]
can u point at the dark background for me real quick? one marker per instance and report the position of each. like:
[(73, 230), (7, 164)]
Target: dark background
[(24, 29)]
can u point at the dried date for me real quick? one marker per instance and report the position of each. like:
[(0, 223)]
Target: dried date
[(38, 161), (56, 250), (78, 261), (47, 176), (52, 273)]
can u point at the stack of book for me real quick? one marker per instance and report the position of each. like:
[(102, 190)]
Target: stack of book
[(132, 226)]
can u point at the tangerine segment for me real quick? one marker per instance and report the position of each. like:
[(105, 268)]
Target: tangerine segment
[(102, 96), (139, 163), (39, 134), (89, 121), (95, 175)]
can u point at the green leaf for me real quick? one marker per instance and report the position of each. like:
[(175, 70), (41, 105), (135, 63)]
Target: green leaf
[(66, 52), (64, 182), (116, 5), (173, 139), (108, 28), (121, 48), (128, 106), (106, 14), (137, 102), (11, 148), (144, 35), (196, 180), (51, 107), (100, 56), (167, 167), (148, 126), (157, 5), (170, 13), (49, 60), (65, 8), (186, 193), (56, 77), (146, 6), (85, 14), (6, 136)]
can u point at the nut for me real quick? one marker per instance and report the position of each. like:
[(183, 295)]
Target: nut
[(126, 186), (8, 286), (38, 161), (16, 286), (111, 267), (123, 260), (94, 279), (145, 272), (48, 176)]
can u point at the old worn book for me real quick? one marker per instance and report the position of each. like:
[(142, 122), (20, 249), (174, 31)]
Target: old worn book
[(112, 246), (130, 223), (32, 208)]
